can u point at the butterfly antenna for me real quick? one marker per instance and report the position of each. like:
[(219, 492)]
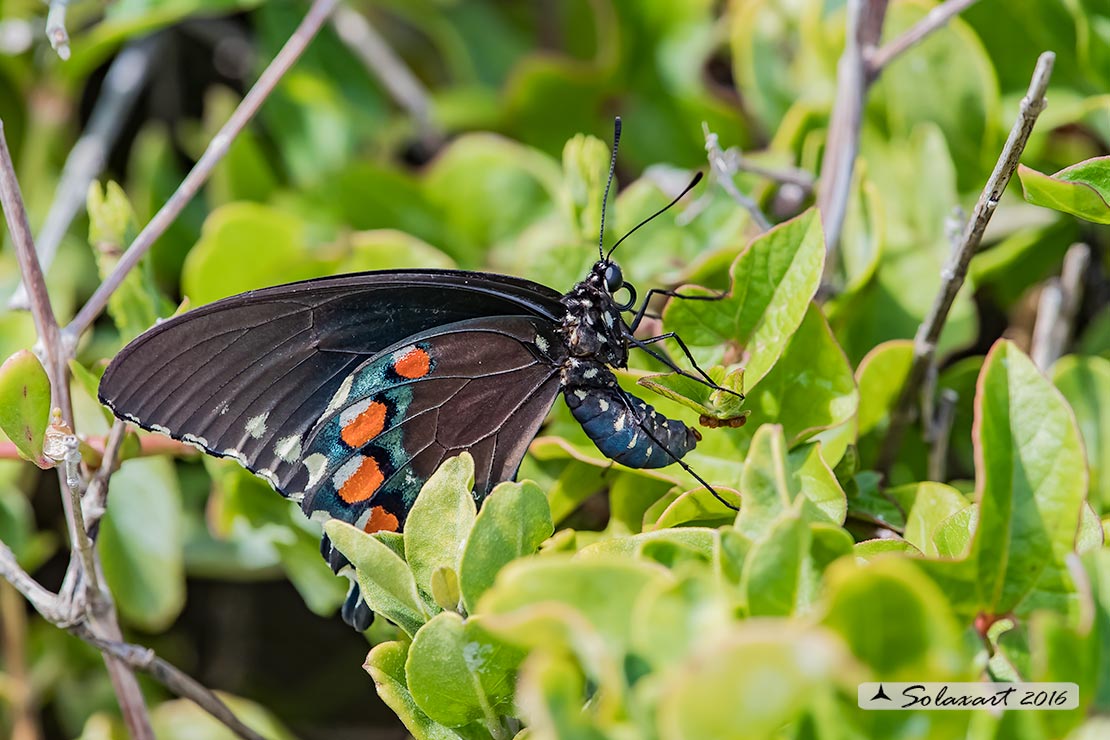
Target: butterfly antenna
[(687, 189), (605, 198)]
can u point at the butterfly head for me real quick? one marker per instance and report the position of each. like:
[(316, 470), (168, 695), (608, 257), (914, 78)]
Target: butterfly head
[(607, 279)]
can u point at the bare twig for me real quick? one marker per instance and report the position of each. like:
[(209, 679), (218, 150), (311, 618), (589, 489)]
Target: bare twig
[(56, 28), (934, 19), (723, 176), (368, 45), (860, 65), (1058, 307), (44, 602), (735, 161), (43, 313), (955, 271), (96, 497), (86, 160), (216, 150), (145, 660), (942, 432), (865, 24)]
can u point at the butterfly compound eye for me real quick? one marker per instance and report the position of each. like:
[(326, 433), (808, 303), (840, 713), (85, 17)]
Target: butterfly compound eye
[(614, 278)]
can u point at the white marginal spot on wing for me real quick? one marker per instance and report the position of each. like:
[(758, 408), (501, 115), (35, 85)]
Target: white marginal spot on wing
[(364, 519), (316, 463), (603, 404), (341, 394), (131, 418), (320, 515), (618, 425), (352, 412), (289, 448), (199, 442), (269, 476), (256, 426), (160, 429), (296, 497), (346, 470), (235, 455)]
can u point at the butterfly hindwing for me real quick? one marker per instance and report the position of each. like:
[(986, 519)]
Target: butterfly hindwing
[(248, 376), (480, 385)]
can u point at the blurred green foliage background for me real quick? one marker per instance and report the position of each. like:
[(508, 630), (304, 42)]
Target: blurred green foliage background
[(502, 170)]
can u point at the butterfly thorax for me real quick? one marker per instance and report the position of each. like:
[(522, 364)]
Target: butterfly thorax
[(593, 326)]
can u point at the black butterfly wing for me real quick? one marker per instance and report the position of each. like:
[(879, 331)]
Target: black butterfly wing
[(479, 385), (247, 377)]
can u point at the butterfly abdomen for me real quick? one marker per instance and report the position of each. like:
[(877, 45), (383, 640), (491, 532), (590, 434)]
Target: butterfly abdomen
[(622, 426)]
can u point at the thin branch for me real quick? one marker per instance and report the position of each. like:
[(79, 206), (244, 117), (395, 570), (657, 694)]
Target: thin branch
[(407, 91), (933, 20), (145, 660), (56, 28), (954, 273), (192, 183), (117, 97), (865, 23), (44, 602), (95, 502), (737, 162), (45, 323), (719, 167), (942, 433), (1058, 307)]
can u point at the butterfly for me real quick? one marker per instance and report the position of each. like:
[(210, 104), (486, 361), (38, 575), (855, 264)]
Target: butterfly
[(346, 393)]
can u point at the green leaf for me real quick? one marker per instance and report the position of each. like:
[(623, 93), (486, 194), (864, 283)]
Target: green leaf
[(246, 246), (773, 281), (1082, 190), (389, 249), (142, 543), (896, 621), (1085, 383), (551, 694), (699, 507), (707, 401), (512, 523), (599, 588), (929, 505), (772, 577), (458, 673), (384, 579), (25, 405), (671, 620), (136, 304), (386, 665), (1031, 483), (904, 97), (445, 589), (181, 719), (810, 389), (762, 676), (439, 523)]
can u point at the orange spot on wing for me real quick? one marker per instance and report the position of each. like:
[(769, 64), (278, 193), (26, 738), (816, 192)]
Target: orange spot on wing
[(365, 426), (363, 483), (413, 364), (381, 521)]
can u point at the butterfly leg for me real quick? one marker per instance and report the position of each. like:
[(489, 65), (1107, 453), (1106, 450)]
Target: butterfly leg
[(642, 311), (644, 345)]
